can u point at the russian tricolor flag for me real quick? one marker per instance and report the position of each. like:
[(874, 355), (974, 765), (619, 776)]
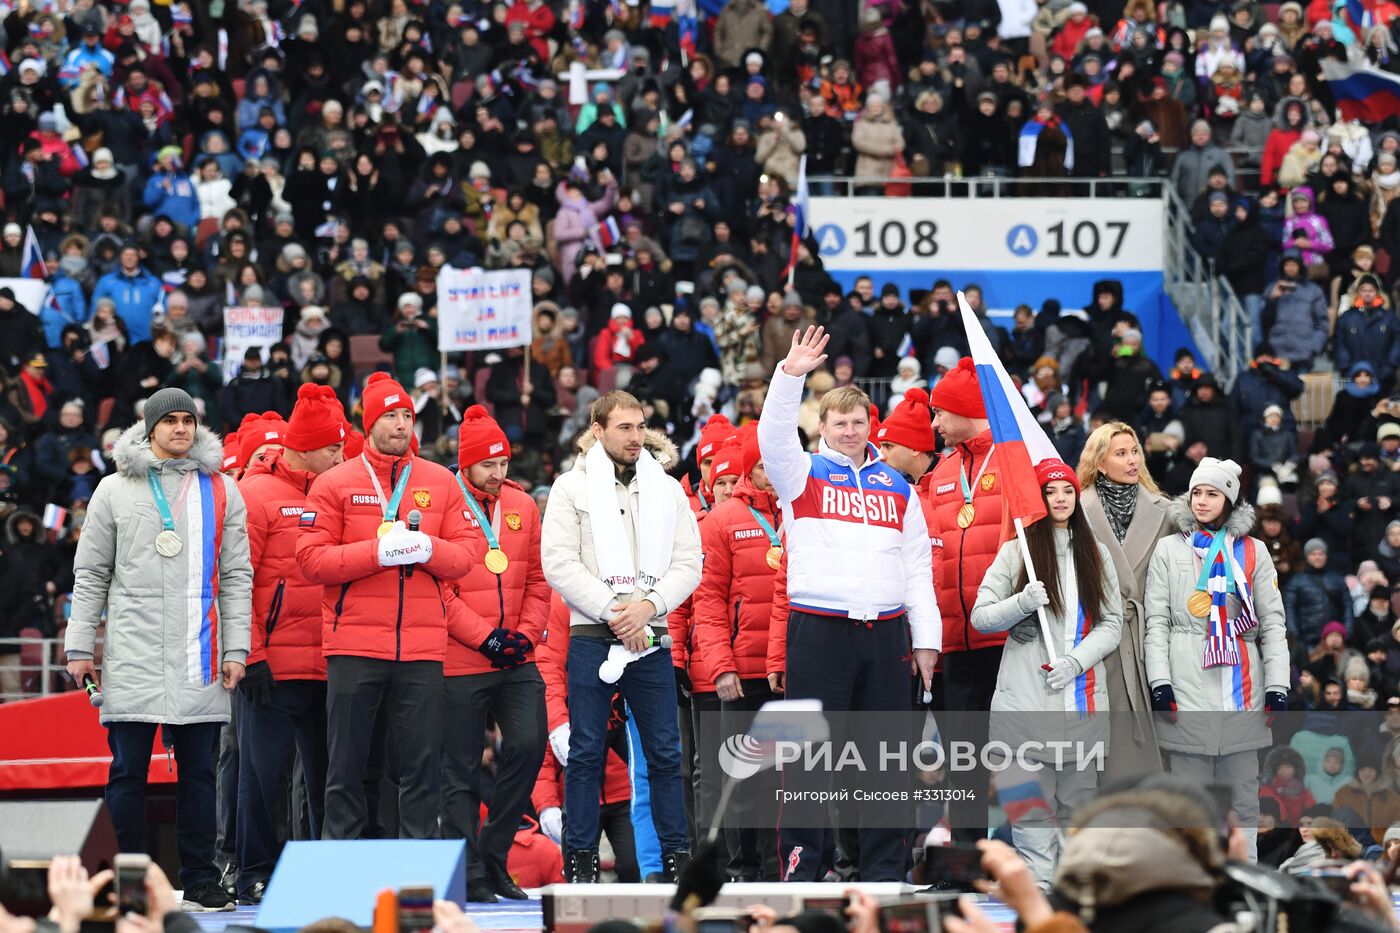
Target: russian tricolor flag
[(31, 263), (1020, 442), (55, 516), (1021, 797), (1366, 94), (608, 233)]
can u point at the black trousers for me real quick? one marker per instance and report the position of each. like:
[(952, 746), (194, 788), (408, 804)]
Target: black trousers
[(226, 786), (969, 680), (515, 698), (705, 712), (195, 748), (354, 689), (849, 666), (688, 753), (753, 851), (270, 737)]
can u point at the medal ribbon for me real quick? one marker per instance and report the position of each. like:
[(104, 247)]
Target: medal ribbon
[(767, 528), (962, 479), (492, 542), (167, 517), (391, 508)]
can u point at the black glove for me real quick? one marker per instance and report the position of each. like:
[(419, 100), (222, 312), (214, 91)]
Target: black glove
[(1275, 701), (505, 648), (683, 686), (1164, 701), (257, 684)]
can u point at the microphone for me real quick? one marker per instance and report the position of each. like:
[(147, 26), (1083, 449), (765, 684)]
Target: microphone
[(414, 518), (94, 693)]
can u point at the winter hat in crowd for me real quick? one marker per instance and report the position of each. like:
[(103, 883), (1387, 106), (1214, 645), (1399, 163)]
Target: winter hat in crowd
[(165, 402), (257, 431), (479, 438), (1223, 475), (1393, 833), (1273, 410), (620, 310), (230, 462), (1052, 471), (958, 392), (423, 376), (354, 442), (318, 420), (711, 436), (729, 460), (383, 394), (1314, 544), (1269, 495), (1333, 626), (748, 442), (910, 424)]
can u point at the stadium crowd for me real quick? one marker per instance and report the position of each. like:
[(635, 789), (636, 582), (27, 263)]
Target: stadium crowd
[(174, 159)]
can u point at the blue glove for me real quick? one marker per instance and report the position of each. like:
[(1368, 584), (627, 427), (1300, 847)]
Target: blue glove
[(1164, 701)]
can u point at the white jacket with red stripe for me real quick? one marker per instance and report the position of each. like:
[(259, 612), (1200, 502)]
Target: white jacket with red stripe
[(856, 536)]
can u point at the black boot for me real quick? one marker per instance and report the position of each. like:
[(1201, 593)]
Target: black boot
[(581, 867), (501, 882), (672, 864), (480, 892)]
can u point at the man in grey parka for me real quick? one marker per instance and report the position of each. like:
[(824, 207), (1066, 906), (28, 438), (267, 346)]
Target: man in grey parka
[(165, 553)]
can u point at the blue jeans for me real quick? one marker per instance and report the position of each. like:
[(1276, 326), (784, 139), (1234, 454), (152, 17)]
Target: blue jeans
[(649, 687), (195, 748)]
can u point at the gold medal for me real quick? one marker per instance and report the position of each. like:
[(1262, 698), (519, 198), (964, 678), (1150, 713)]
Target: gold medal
[(385, 527), (966, 515), (168, 543), (1198, 604), (774, 557), (496, 561)]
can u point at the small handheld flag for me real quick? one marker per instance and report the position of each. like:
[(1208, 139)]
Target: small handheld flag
[(55, 517), (31, 263), (608, 233)]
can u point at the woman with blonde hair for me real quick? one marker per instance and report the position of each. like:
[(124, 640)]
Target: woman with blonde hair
[(1128, 514)]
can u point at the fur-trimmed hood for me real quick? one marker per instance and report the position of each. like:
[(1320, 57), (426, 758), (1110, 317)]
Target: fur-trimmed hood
[(134, 459), (1240, 524), (660, 446)]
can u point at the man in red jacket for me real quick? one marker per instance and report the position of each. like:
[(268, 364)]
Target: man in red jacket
[(496, 614), (384, 618), (715, 432), (965, 497), (615, 790), (282, 699), (733, 604), (906, 439)]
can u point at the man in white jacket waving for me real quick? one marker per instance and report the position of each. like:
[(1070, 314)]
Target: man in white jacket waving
[(859, 581)]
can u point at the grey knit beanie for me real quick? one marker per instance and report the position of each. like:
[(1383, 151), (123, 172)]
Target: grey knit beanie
[(1224, 475), (164, 402)]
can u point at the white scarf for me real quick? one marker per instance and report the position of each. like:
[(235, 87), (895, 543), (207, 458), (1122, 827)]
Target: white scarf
[(654, 522)]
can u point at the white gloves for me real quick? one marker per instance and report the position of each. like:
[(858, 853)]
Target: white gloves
[(552, 824), (401, 546), (559, 744), (1032, 597), (1063, 671), (610, 671)]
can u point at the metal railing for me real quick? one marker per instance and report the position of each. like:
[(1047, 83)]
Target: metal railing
[(41, 670), (992, 186)]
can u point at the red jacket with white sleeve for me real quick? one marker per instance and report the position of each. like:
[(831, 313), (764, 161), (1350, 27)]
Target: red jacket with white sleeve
[(858, 545)]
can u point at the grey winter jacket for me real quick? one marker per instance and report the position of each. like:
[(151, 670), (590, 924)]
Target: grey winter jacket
[(171, 622), (1176, 642), (1021, 685)]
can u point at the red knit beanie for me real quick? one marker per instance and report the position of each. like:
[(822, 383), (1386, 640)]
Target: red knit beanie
[(318, 420), (958, 392), (748, 442), (874, 419), (230, 452), (257, 430), (354, 442), (480, 438), (910, 424), (729, 460), (711, 436), (1049, 471), (382, 394)]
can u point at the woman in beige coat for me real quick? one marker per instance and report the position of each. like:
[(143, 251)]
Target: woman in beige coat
[(877, 139), (1128, 515)]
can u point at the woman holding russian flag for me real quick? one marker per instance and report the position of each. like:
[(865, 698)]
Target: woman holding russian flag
[(1075, 585), (1216, 640)]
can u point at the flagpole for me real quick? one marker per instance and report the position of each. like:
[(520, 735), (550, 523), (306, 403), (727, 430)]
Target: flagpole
[(1030, 575)]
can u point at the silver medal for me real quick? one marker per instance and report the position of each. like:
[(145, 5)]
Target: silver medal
[(168, 544)]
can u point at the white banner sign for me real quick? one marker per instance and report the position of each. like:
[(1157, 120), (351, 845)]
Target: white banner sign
[(991, 234), (28, 292), (245, 328), (483, 310)]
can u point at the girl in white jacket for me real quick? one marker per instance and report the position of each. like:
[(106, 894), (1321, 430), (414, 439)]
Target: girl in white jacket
[(1075, 585)]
